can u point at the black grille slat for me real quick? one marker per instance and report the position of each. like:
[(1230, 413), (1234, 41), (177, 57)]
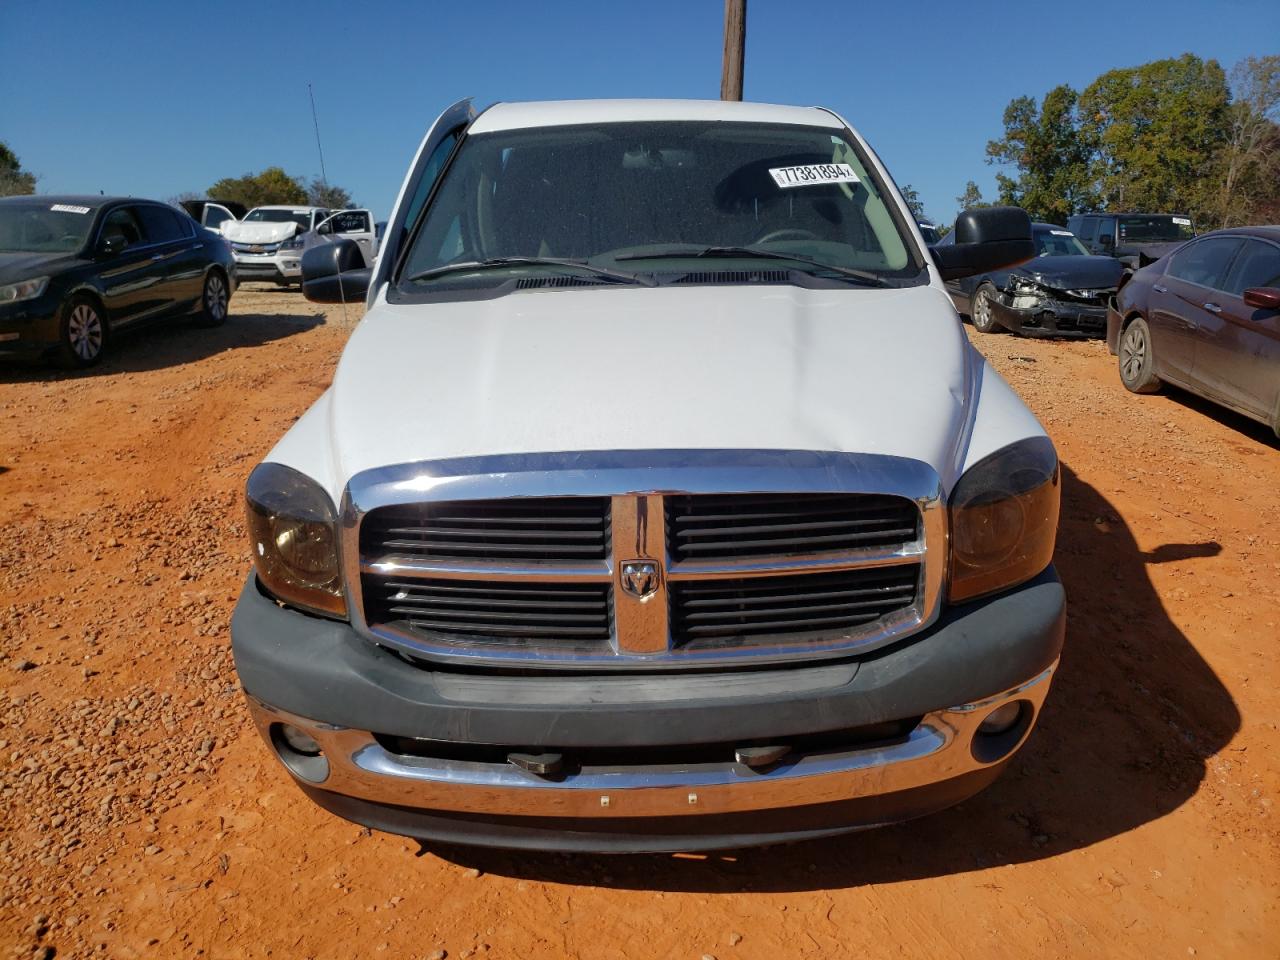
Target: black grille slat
[(566, 529), (793, 605), (726, 527), (795, 625), (746, 598), (503, 611)]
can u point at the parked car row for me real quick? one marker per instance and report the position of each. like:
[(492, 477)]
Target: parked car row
[(76, 270)]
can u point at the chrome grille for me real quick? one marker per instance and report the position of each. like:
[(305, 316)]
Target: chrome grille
[(762, 525), (713, 611), (570, 560), (539, 529)]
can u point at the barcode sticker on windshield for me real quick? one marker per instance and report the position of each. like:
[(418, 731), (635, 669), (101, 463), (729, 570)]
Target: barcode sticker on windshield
[(67, 208), (1182, 221), (812, 173), (1061, 233)]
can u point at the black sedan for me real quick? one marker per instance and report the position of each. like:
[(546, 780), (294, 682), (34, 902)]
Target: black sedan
[(1206, 318), (74, 270), (1062, 292)]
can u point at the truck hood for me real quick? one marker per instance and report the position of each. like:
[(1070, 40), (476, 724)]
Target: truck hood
[(258, 231), (716, 367)]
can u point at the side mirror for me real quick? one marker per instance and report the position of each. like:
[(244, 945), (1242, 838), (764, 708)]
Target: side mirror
[(325, 228), (111, 245), (335, 273), (987, 238), (1263, 298)]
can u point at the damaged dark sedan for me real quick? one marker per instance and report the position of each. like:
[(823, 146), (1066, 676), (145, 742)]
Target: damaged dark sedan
[(1061, 292)]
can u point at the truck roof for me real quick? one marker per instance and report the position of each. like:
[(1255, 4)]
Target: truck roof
[(550, 113)]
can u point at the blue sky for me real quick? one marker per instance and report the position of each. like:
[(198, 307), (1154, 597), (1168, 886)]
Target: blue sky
[(152, 99)]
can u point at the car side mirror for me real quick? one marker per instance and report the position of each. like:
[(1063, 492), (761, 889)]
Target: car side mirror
[(987, 238), (325, 228), (335, 273), (111, 245), (1263, 298)]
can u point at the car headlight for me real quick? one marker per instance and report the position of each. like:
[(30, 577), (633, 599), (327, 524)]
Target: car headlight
[(293, 244), (293, 531), (23, 290), (1004, 519)]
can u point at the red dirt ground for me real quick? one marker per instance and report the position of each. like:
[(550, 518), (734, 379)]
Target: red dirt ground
[(142, 816)]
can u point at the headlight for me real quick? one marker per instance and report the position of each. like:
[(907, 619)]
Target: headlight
[(1004, 519), (294, 536), (293, 244), (23, 290)]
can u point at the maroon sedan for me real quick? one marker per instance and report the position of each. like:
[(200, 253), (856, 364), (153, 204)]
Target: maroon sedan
[(1206, 318)]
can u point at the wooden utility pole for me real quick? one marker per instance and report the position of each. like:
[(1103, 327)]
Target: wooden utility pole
[(735, 41)]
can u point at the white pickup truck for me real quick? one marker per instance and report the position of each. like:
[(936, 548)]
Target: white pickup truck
[(659, 501), (269, 242)]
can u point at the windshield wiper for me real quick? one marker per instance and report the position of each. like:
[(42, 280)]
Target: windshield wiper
[(863, 276), (622, 276)]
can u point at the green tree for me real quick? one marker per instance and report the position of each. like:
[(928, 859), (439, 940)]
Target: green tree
[(912, 199), (323, 194), (271, 186), (972, 197), (1043, 144), (14, 181), (1156, 130)]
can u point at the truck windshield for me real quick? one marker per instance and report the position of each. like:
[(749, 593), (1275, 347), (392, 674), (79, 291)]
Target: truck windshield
[(41, 226), (651, 196), (1155, 229)]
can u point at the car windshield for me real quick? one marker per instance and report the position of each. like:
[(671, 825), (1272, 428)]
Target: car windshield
[(1155, 229), (1058, 243), (646, 197), (301, 217), (43, 226)]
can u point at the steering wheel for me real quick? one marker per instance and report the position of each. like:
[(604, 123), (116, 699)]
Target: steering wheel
[(787, 233)]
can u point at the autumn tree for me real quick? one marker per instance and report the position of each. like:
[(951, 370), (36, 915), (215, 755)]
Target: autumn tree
[(271, 186), (14, 181), (1247, 172)]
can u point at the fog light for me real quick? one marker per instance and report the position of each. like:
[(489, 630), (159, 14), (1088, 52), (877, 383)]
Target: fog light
[(999, 720), (299, 741), (299, 752)]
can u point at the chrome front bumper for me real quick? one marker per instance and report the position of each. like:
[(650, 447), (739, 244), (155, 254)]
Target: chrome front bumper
[(945, 745)]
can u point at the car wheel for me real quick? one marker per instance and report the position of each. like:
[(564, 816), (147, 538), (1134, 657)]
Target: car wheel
[(1136, 359), (214, 301), (82, 334), (984, 320)]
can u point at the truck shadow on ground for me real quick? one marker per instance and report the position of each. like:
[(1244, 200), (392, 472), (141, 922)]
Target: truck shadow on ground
[(170, 344), (1237, 422), (1133, 717)]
